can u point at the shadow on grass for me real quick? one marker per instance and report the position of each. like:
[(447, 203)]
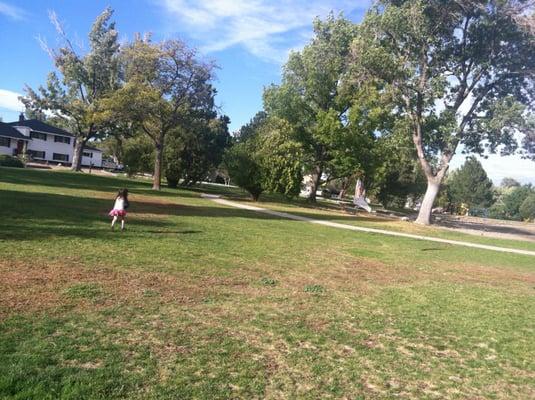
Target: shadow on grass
[(83, 181)]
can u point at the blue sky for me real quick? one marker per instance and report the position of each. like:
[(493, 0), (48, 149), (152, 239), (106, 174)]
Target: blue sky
[(248, 39)]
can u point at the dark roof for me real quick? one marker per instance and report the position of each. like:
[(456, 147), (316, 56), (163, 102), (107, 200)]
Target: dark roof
[(36, 125), (7, 130), (86, 147)]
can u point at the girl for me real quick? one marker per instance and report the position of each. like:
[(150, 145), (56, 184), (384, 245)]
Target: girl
[(119, 208)]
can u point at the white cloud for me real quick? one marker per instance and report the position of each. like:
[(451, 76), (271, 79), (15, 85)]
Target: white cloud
[(10, 101), (12, 11), (267, 29)]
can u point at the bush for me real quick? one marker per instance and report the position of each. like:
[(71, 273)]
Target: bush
[(527, 208), (514, 199), (10, 161), (244, 169)]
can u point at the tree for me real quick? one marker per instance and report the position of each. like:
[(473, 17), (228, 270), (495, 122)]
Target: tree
[(527, 208), (137, 155), (166, 88), (514, 200), (311, 98), (460, 72), (76, 98), (193, 151), (280, 158), (250, 129), (470, 185), (244, 169), (268, 160), (398, 176)]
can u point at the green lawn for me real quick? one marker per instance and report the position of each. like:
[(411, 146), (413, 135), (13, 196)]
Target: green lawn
[(197, 300)]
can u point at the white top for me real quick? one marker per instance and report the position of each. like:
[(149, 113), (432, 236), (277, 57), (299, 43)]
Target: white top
[(119, 204)]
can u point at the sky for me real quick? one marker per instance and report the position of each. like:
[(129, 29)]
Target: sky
[(248, 39)]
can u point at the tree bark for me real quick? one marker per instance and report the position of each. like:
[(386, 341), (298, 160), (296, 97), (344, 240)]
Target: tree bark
[(77, 154), (158, 161), (316, 179), (433, 186)]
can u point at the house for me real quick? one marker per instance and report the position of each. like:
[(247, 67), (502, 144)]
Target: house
[(12, 142), (44, 142)]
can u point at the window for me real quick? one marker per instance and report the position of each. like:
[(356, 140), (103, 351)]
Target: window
[(87, 154), (5, 142), (62, 139), (60, 157), (37, 154), (38, 135)]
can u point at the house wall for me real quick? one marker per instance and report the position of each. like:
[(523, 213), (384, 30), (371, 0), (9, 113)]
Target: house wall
[(50, 146), (9, 150), (96, 159)]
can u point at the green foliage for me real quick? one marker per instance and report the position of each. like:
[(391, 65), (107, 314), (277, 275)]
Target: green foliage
[(244, 169), (251, 128), (426, 53), (470, 185), (513, 200), (10, 161), (527, 208), (315, 103), (398, 176), (192, 152), (167, 88), (138, 156), (280, 158), (77, 96), (268, 160)]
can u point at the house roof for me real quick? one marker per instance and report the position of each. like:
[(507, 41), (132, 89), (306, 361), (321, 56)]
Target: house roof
[(7, 130), (86, 147), (36, 125)]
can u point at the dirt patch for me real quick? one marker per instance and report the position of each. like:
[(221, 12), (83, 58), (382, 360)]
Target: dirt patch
[(41, 286)]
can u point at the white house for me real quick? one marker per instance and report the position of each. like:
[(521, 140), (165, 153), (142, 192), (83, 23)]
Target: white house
[(44, 142)]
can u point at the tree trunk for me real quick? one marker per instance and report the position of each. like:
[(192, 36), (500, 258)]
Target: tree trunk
[(424, 215), (316, 179), (158, 161), (77, 154)]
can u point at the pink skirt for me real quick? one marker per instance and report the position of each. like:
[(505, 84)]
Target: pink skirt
[(117, 213)]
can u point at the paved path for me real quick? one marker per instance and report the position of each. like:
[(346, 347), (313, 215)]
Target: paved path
[(362, 229)]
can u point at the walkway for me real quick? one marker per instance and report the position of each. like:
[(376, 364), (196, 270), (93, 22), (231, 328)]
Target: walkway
[(362, 229)]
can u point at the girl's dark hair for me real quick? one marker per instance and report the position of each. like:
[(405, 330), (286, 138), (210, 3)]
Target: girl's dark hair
[(123, 193)]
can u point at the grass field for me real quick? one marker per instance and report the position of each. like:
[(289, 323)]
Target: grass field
[(196, 300)]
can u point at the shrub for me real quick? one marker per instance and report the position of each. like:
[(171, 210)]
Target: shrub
[(514, 199), (527, 208), (10, 161), (244, 169)]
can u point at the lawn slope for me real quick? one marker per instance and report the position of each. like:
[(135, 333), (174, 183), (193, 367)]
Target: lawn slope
[(197, 300)]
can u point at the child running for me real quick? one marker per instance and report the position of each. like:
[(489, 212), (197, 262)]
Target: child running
[(119, 208)]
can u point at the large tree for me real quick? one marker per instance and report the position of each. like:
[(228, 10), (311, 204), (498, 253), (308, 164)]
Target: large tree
[(75, 97), (193, 151), (167, 87), (311, 98), (267, 159), (470, 185), (461, 71)]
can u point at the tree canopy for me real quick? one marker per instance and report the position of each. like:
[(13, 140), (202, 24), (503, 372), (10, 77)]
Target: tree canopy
[(460, 73), (470, 185), (85, 80)]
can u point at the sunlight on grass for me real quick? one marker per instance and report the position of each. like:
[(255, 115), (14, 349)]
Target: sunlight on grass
[(197, 300)]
